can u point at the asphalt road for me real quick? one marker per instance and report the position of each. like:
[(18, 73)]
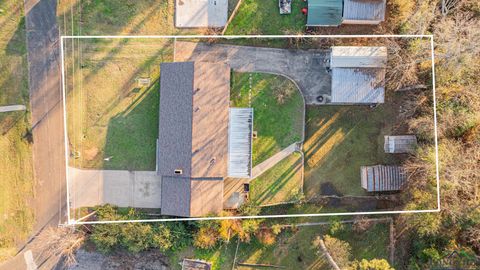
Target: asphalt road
[(47, 128)]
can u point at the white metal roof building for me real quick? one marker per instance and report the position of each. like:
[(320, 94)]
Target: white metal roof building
[(358, 74), (381, 178), (240, 143)]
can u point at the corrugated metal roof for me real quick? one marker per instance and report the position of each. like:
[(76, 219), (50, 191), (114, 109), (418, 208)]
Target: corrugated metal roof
[(400, 144), (358, 85), (324, 12), (382, 178), (370, 10), (240, 142), (358, 56)]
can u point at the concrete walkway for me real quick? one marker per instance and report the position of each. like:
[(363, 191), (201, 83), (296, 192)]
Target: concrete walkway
[(307, 68), (139, 189), (272, 161), (12, 108)]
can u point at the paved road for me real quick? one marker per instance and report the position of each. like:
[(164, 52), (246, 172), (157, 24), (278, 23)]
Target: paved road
[(305, 67), (47, 128)]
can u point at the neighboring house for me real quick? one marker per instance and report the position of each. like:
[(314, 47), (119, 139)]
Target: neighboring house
[(337, 12), (201, 13), (381, 178), (358, 74), (201, 139)]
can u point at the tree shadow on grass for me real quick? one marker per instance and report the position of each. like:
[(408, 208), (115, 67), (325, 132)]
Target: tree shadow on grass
[(132, 134), (278, 183)]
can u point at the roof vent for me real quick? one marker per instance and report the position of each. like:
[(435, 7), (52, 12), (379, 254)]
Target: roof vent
[(178, 171)]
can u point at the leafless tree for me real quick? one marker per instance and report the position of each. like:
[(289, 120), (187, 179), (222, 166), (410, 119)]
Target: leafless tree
[(60, 241)]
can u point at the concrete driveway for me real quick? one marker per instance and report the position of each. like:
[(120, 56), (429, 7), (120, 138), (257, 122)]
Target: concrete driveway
[(138, 189), (307, 68)]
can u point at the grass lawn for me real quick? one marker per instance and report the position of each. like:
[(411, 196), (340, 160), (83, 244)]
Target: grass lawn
[(221, 256), (293, 249), (340, 139), (282, 183), (16, 169), (109, 116), (277, 108), (255, 17), (112, 17)]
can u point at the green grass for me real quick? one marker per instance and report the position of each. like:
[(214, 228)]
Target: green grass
[(282, 183), (108, 114), (220, 256), (340, 139), (293, 249), (256, 17), (277, 108), (16, 171)]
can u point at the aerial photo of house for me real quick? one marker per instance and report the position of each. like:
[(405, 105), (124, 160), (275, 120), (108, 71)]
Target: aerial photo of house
[(239, 134)]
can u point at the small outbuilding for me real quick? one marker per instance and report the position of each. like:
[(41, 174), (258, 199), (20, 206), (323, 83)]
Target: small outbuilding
[(364, 11), (400, 144), (381, 178), (358, 74), (337, 12), (201, 13)]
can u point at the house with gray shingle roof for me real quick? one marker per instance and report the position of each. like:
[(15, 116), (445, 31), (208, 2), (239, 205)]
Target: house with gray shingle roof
[(194, 144)]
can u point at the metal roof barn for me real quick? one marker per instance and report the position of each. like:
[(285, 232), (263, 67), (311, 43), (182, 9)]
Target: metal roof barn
[(240, 143), (324, 12), (380, 178), (363, 11), (201, 13), (358, 74)]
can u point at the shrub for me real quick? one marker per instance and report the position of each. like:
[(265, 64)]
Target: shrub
[(265, 236), (375, 264)]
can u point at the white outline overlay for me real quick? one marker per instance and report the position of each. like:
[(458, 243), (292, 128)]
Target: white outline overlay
[(437, 172)]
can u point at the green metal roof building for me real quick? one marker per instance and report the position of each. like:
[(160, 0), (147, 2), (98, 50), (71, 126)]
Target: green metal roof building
[(324, 12)]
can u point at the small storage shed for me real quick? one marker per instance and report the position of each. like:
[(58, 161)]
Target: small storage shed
[(358, 74), (381, 178), (400, 144), (324, 12), (364, 11)]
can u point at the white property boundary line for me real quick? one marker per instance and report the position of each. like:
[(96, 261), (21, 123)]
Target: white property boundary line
[(437, 174)]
